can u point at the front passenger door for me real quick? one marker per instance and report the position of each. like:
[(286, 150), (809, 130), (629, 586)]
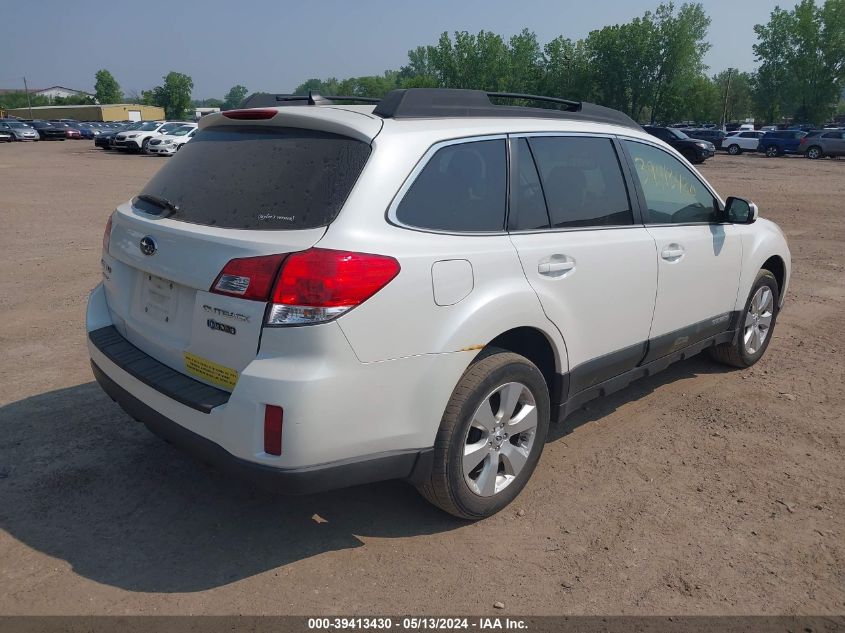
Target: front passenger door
[(698, 255)]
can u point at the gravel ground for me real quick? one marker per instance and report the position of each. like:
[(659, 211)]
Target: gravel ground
[(698, 491)]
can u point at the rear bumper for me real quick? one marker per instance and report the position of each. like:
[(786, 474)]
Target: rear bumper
[(372, 421), (412, 465)]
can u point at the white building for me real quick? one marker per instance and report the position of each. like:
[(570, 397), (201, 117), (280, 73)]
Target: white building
[(60, 91)]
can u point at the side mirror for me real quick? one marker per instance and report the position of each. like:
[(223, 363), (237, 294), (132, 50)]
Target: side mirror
[(740, 211)]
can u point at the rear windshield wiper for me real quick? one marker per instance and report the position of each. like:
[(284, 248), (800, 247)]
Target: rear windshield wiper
[(161, 204)]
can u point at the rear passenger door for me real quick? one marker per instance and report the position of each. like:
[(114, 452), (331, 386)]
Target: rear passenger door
[(698, 256), (583, 250)]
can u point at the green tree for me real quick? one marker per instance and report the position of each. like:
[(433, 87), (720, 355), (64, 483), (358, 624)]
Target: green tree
[(650, 64), (17, 99), (174, 95), (802, 61), (106, 88), (309, 85), (566, 70), (74, 100), (207, 103), (735, 98), (525, 63), (234, 97)]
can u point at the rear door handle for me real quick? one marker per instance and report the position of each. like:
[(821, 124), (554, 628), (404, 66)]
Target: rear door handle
[(556, 266), (672, 253)]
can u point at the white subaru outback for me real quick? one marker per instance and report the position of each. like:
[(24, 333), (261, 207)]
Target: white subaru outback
[(327, 295)]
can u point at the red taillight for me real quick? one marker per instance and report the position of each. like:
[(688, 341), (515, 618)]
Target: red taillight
[(311, 286), (251, 114), (248, 277), (273, 417), (107, 235), (327, 279)]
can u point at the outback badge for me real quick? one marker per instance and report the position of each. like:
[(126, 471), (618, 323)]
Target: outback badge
[(220, 327)]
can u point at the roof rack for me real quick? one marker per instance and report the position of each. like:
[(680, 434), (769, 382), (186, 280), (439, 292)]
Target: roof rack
[(432, 103), (265, 100), (426, 103)]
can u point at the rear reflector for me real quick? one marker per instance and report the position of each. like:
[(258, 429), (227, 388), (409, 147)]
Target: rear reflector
[(248, 277), (273, 417), (251, 114)]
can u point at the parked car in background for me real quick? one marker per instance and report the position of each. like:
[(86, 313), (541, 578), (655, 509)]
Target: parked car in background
[(746, 127), (694, 150), (821, 143), (169, 144), (138, 139), (707, 134), (47, 132), (86, 130), (739, 142), (6, 136), (69, 130), (18, 130), (780, 142), (106, 137)]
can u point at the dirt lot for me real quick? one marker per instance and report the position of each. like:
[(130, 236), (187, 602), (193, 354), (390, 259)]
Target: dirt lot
[(701, 490)]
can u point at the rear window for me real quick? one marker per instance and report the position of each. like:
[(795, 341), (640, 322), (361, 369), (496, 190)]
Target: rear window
[(265, 178)]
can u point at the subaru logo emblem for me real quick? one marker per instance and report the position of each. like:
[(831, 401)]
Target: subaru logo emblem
[(148, 245)]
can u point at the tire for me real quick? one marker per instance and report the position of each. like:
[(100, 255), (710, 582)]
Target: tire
[(475, 409), (144, 145), (739, 353), (734, 150), (772, 151), (814, 152)]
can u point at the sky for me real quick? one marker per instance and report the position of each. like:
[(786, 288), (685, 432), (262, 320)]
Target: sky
[(273, 46)]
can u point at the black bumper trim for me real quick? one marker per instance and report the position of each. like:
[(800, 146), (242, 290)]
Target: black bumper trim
[(171, 383), (411, 464)]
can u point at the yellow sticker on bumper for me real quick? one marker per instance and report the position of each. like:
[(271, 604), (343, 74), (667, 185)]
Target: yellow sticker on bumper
[(210, 371)]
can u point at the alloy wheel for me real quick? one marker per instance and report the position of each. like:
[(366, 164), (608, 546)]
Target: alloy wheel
[(758, 320), (500, 439)]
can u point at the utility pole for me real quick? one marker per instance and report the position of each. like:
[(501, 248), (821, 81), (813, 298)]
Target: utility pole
[(727, 93), (28, 100)]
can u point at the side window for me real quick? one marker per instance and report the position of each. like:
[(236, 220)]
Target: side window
[(528, 205), (582, 181), (673, 193), (462, 188)]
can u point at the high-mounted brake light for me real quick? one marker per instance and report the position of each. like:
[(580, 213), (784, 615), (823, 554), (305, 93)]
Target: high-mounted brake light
[(251, 114), (107, 235), (319, 284), (248, 277)]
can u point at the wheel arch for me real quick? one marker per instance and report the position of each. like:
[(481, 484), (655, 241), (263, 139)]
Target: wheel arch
[(536, 346), (763, 246), (777, 267)]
